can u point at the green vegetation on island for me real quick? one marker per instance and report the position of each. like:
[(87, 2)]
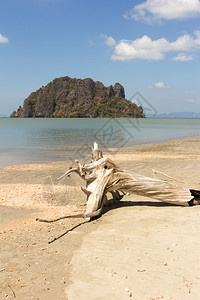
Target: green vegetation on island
[(67, 97)]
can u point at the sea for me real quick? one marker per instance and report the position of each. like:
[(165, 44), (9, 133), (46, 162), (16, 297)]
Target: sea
[(44, 140)]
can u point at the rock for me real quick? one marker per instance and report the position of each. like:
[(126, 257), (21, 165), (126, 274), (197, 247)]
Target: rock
[(119, 90), (111, 92), (14, 114), (67, 97)]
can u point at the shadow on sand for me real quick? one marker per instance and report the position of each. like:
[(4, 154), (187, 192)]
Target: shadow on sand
[(115, 205)]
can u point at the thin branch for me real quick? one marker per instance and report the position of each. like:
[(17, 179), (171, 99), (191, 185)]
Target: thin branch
[(175, 179), (60, 218)]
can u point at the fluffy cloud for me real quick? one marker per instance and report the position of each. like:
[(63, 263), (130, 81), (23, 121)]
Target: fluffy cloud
[(3, 39), (160, 85), (182, 57), (146, 48), (156, 10), (109, 41)]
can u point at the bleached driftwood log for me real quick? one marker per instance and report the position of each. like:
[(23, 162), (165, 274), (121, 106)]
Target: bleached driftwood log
[(103, 176)]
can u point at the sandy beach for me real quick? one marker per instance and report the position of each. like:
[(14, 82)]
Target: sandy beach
[(139, 249)]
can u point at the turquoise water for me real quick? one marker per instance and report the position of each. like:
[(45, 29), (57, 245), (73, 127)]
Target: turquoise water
[(46, 140)]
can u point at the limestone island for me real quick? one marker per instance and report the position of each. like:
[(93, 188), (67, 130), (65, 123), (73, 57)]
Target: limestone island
[(67, 97)]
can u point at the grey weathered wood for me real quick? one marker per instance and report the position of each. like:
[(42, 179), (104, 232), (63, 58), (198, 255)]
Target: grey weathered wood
[(102, 175)]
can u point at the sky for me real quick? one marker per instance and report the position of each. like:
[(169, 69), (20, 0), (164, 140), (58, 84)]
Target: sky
[(151, 47)]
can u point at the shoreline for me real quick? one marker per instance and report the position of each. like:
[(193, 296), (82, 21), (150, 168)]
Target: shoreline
[(44, 141), (109, 250), (111, 152)]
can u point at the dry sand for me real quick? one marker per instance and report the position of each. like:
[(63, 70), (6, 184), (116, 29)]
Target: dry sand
[(139, 248)]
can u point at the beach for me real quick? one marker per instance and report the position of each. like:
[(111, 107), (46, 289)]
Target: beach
[(139, 248)]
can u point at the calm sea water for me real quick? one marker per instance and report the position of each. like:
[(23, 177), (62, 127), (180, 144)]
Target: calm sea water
[(46, 140)]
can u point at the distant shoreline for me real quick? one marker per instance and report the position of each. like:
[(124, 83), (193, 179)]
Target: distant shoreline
[(146, 117)]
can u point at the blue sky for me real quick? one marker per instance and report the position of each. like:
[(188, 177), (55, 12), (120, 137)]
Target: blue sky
[(150, 46)]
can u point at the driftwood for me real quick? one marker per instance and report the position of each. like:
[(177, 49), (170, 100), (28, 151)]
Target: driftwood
[(103, 176)]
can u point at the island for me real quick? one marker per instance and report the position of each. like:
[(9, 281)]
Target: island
[(67, 97)]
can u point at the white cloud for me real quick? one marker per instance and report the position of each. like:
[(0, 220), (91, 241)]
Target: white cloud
[(3, 39), (146, 48), (160, 85), (182, 57), (157, 10), (109, 41)]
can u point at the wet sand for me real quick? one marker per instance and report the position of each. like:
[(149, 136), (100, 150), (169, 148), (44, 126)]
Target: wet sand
[(139, 248)]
